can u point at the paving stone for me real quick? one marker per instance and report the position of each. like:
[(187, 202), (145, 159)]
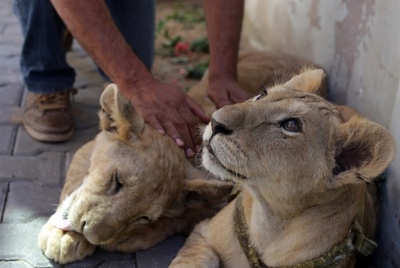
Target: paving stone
[(10, 94), (6, 139), (14, 264), (85, 80), (12, 64), (27, 201), (5, 10), (103, 259), (3, 195), (11, 115), (45, 169), (2, 28), (85, 117), (9, 71), (161, 255), (10, 39), (13, 29), (89, 97), (117, 264), (26, 145), (8, 50), (19, 243), (6, 20)]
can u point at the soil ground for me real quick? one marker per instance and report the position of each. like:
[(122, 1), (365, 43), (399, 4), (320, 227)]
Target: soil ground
[(181, 45)]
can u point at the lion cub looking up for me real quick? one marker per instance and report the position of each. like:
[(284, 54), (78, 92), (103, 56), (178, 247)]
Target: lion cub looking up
[(303, 165)]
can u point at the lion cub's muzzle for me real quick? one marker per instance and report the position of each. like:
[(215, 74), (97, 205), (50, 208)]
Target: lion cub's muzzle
[(216, 128), (219, 128), (223, 155)]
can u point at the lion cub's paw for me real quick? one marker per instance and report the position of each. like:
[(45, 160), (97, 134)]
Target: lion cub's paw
[(63, 246)]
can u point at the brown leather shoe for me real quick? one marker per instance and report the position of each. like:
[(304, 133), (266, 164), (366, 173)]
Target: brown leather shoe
[(48, 117)]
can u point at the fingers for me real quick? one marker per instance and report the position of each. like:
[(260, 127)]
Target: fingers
[(197, 110), (153, 122), (225, 93), (220, 99), (192, 123), (238, 96), (179, 134), (180, 126)]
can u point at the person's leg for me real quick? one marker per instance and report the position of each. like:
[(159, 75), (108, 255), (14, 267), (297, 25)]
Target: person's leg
[(49, 79), (43, 62), (136, 21)]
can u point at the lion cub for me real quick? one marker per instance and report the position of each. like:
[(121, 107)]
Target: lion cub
[(303, 165), (127, 190)]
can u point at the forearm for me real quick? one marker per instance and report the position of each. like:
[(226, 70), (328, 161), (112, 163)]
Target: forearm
[(91, 24), (224, 24), (162, 106)]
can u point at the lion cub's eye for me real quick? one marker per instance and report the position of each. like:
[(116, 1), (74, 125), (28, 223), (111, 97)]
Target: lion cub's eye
[(143, 220), (292, 125), (116, 182)]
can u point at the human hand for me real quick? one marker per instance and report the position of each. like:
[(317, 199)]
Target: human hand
[(226, 91), (170, 111)]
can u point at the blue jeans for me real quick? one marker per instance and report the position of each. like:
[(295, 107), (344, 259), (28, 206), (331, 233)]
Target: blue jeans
[(43, 60)]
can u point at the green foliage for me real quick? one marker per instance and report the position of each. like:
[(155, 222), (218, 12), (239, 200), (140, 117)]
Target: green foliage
[(171, 41), (200, 45), (197, 71), (186, 15)]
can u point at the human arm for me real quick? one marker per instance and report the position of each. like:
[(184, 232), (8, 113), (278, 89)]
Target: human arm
[(224, 24), (163, 106)]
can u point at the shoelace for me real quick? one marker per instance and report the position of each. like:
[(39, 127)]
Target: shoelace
[(55, 101)]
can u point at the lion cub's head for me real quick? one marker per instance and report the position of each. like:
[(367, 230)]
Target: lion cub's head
[(291, 143), (138, 182)]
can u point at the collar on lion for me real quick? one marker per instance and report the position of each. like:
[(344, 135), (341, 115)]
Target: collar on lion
[(354, 241)]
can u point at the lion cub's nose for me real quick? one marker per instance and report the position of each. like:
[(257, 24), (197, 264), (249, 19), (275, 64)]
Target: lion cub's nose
[(219, 128)]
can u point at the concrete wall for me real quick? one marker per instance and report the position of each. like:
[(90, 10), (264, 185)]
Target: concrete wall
[(358, 44)]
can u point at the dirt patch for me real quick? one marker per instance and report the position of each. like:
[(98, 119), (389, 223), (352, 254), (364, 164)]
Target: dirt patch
[(181, 43)]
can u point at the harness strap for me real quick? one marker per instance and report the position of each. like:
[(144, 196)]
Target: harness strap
[(243, 236), (363, 244), (355, 241)]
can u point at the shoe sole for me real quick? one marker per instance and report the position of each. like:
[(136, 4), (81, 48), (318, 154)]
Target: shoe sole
[(45, 137)]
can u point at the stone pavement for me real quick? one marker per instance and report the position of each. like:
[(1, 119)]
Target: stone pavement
[(32, 173)]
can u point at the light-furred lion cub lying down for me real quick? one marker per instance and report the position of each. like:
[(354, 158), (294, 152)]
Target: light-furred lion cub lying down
[(304, 165), (127, 190), (132, 187)]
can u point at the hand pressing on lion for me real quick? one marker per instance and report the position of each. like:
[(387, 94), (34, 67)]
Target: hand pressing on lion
[(170, 111)]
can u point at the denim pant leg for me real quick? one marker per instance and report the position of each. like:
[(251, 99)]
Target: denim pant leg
[(43, 62), (136, 21)]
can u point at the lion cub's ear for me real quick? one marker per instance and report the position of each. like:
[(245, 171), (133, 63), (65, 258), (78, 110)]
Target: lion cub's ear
[(117, 114), (364, 150), (310, 80)]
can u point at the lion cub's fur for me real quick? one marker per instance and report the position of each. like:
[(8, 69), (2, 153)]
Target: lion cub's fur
[(303, 164)]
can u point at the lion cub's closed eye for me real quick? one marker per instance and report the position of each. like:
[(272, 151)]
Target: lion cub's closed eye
[(116, 183)]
